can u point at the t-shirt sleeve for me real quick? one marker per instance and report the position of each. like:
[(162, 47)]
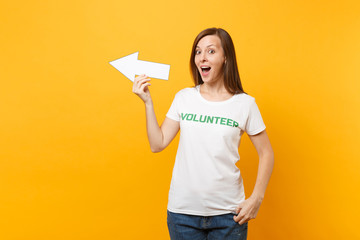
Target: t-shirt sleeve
[(173, 112), (254, 123)]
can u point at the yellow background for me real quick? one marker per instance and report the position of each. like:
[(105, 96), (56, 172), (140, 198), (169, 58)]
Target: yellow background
[(74, 158)]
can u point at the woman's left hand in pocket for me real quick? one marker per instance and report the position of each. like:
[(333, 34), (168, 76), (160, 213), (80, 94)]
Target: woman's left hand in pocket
[(247, 210)]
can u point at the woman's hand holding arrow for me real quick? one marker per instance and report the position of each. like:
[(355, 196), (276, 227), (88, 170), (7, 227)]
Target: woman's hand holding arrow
[(140, 88)]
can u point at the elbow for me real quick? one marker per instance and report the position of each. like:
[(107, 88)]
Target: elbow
[(268, 156), (272, 159), (156, 149), (271, 154)]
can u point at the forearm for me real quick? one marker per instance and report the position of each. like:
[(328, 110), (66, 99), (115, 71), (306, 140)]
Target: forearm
[(154, 133), (266, 164)]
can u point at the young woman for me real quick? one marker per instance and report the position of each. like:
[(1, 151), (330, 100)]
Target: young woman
[(206, 198)]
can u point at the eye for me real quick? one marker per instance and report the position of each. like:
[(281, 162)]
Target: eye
[(197, 52), (211, 51)]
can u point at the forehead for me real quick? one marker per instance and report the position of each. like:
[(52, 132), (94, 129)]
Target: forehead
[(209, 40)]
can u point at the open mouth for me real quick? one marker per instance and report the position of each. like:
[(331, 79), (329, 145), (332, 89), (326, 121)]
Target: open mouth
[(205, 69)]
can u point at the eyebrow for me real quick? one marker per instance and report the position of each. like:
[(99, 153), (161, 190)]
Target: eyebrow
[(207, 46)]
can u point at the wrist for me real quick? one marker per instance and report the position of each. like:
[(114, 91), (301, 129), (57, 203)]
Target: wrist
[(148, 103), (258, 197)]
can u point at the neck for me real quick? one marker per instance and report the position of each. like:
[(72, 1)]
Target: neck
[(214, 87), (215, 91)]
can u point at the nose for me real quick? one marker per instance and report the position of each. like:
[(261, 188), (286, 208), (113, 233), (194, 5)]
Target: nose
[(203, 57)]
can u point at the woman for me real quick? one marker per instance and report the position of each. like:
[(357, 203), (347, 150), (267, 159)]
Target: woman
[(206, 197)]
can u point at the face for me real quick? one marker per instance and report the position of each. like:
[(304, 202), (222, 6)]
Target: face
[(210, 58)]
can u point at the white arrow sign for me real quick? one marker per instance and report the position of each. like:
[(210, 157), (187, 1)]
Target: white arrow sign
[(131, 66)]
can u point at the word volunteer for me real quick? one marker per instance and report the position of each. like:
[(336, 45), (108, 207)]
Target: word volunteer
[(209, 119)]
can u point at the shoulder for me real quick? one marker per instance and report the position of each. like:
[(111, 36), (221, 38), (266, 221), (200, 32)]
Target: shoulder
[(245, 98)]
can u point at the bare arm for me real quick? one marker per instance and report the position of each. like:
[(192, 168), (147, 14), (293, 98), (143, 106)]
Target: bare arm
[(159, 137), (249, 208), (266, 162)]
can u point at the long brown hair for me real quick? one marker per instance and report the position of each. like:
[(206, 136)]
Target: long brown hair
[(232, 80)]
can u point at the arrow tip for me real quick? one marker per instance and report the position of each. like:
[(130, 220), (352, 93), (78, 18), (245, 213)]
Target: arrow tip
[(126, 65)]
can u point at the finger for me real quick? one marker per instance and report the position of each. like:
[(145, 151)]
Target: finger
[(244, 220), (141, 81), (142, 89), (140, 77), (238, 218), (137, 79), (137, 84)]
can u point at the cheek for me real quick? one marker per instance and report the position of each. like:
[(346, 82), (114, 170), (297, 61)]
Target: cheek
[(196, 60), (219, 64)]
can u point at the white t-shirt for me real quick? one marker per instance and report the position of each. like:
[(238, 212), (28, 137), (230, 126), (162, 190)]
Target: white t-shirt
[(205, 179)]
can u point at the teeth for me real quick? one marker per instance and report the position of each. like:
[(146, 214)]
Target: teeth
[(205, 68)]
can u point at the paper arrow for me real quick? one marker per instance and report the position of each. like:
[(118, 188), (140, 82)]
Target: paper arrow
[(131, 66)]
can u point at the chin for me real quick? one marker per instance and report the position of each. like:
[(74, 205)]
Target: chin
[(207, 80)]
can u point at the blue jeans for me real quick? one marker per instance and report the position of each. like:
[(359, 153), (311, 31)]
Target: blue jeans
[(190, 227)]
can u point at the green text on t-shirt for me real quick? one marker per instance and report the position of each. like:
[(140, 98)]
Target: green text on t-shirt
[(209, 119)]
